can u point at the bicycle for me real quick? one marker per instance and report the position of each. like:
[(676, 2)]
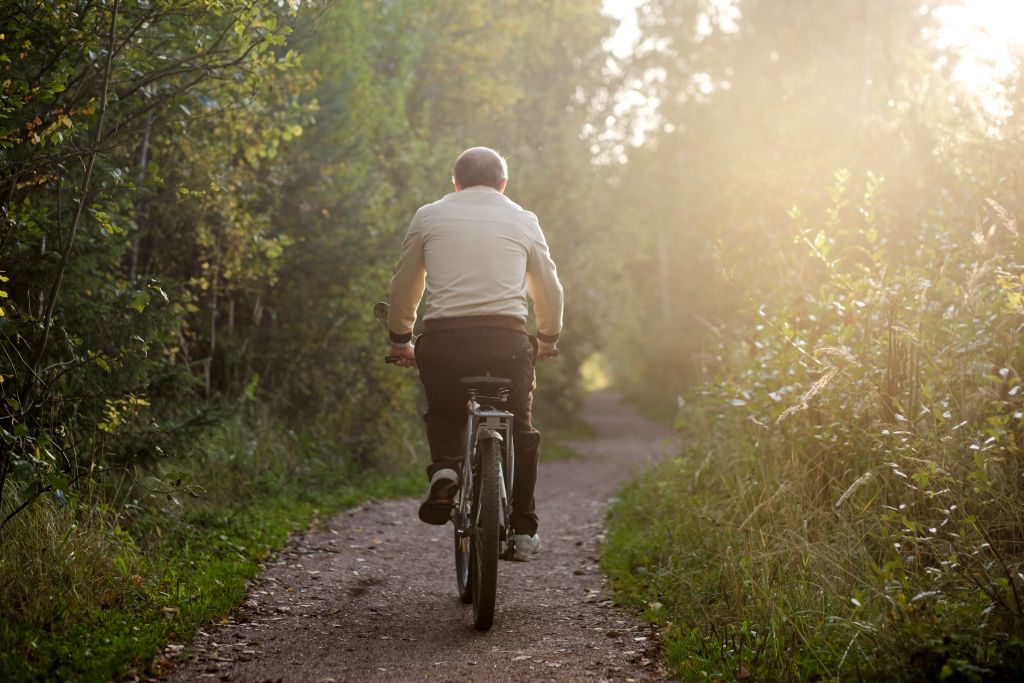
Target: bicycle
[(481, 509)]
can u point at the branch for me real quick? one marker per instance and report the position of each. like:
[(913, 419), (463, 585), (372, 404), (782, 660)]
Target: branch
[(25, 503), (66, 255)]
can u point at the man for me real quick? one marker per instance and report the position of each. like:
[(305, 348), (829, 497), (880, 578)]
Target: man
[(477, 254)]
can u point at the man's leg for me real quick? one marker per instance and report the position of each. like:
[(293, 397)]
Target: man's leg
[(524, 515), (446, 437), (446, 407), (445, 421), (526, 438)]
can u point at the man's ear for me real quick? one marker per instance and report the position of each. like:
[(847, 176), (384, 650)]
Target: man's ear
[(458, 188), (501, 187)]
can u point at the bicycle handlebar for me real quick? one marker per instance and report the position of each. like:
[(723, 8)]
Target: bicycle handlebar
[(390, 360)]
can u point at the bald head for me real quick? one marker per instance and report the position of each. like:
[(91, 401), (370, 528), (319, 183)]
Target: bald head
[(480, 166)]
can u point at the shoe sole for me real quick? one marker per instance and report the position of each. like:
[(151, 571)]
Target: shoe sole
[(524, 557), (437, 508)]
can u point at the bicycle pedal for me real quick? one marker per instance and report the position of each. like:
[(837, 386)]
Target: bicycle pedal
[(433, 512)]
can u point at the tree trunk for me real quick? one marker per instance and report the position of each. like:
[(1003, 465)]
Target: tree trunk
[(133, 266)]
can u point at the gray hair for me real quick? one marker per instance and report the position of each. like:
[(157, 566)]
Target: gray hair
[(480, 166)]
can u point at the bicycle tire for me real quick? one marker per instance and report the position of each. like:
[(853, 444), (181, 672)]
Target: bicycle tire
[(487, 534), (463, 566)]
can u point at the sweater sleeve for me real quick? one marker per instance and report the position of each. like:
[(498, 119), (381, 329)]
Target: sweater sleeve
[(407, 284), (543, 285)]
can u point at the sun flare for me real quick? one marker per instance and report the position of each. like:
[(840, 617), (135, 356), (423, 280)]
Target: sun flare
[(989, 35)]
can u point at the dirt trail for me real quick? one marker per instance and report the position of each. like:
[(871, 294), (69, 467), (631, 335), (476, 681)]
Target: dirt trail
[(372, 596)]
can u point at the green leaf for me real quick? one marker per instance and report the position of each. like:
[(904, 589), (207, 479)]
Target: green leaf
[(159, 290), (58, 482), (139, 300), (250, 387), (107, 226)]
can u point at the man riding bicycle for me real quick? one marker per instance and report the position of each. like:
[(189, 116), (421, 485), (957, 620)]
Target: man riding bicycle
[(477, 254)]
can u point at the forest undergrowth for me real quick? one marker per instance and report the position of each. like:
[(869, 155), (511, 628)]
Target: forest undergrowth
[(95, 590), (848, 500)]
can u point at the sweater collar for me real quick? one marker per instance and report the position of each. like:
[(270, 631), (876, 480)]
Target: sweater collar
[(479, 188)]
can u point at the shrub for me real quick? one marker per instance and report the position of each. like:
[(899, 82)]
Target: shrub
[(848, 503)]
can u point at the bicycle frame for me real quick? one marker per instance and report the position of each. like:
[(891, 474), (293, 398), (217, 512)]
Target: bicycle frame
[(483, 422)]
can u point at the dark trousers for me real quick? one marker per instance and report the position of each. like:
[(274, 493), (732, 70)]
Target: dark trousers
[(446, 356)]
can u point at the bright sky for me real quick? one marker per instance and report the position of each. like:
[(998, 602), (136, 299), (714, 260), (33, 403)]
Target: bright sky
[(989, 33)]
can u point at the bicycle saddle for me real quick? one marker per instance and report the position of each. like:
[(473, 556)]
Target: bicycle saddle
[(487, 382), (487, 388)]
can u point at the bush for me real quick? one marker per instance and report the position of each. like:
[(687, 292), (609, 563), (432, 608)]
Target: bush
[(848, 503)]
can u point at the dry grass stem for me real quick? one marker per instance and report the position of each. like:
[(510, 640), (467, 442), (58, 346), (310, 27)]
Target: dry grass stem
[(852, 488), (815, 389), (783, 487), (1008, 219)]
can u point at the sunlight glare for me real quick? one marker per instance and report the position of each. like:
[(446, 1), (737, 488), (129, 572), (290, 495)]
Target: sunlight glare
[(623, 41), (989, 35)]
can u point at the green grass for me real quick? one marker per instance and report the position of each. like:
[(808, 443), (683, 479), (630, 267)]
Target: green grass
[(745, 585), (95, 590)]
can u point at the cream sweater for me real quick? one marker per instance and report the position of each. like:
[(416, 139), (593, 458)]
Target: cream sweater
[(475, 252)]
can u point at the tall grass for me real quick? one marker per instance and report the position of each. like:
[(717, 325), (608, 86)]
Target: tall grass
[(848, 504), (92, 588)]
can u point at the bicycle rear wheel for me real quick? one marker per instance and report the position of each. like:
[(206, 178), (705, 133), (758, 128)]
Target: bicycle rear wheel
[(486, 543)]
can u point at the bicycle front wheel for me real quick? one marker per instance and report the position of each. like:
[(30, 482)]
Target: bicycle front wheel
[(486, 534), (463, 563)]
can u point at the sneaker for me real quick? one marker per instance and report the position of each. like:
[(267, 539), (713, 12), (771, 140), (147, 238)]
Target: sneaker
[(527, 547), (437, 508)]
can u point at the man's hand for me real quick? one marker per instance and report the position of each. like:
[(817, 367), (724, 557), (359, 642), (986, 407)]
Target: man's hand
[(546, 350), (405, 353)]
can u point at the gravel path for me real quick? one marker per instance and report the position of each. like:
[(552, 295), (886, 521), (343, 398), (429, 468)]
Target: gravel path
[(372, 596)]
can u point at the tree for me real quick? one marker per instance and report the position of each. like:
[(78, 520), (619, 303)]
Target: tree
[(90, 91)]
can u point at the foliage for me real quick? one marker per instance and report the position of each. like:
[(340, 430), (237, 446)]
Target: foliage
[(106, 106), (758, 101), (848, 501)]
